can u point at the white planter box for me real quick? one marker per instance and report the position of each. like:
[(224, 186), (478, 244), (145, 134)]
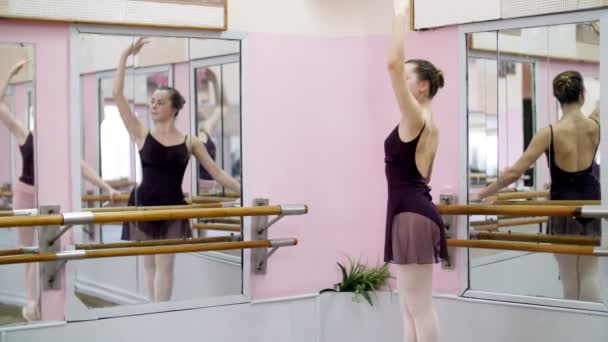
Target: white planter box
[(342, 319)]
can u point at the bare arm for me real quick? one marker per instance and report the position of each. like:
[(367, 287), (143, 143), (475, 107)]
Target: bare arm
[(201, 154), (539, 144), (12, 72), (212, 121), (411, 112), (12, 124), (136, 128), (215, 117), (7, 118), (91, 176)]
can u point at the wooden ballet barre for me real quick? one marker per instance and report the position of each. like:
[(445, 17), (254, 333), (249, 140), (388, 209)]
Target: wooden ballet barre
[(549, 202), (518, 195), (19, 212), (221, 220), (511, 223), (150, 243), (225, 195), (88, 217), (19, 251), (512, 210), (161, 207), (120, 183), (501, 219), (135, 251), (219, 227), (103, 198), (539, 238), (528, 247), (6, 193), (125, 197), (211, 199), (33, 212)]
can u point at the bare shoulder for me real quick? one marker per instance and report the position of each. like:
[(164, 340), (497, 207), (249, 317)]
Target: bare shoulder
[(433, 130), (545, 130), (543, 135), (194, 140)]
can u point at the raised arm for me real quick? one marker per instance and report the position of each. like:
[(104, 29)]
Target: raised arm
[(411, 112), (7, 118), (539, 144), (11, 73), (220, 102), (200, 152), (12, 124), (137, 130)]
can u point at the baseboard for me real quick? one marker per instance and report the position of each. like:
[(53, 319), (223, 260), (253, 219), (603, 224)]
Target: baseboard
[(108, 293), (499, 257), (13, 298)]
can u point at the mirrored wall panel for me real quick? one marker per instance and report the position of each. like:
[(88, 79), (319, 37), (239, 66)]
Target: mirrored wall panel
[(533, 139), (19, 288), (161, 129)]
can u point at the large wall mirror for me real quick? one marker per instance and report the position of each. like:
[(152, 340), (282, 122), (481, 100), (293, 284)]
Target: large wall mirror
[(532, 87), (19, 289), (161, 126)]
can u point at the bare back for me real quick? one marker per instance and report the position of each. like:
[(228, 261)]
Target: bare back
[(426, 148), (575, 141)]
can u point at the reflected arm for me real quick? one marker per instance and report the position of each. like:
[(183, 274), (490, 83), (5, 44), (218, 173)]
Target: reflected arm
[(539, 144), (12, 124), (201, 154), (91, 176)]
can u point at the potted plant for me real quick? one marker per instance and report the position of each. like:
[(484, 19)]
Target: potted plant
[(362, 280), (343, 318)]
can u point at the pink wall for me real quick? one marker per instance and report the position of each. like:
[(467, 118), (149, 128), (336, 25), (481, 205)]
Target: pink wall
[(317, 111), (53, 176)]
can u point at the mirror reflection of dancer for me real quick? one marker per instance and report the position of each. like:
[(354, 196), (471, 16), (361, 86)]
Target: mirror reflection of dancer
[(164, 152), (570, 145), (415, 233), (24, 192), (209, 115)]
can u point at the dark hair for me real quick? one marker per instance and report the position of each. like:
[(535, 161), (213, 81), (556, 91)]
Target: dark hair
[(426, 71), (177, 100), (568, 87)]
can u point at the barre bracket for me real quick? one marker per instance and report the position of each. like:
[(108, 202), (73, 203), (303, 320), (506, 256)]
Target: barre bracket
[(49, 243), (260, 226), (450, 226)]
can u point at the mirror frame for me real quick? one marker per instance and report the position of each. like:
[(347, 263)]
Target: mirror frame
[(600, 15), (75, 310)]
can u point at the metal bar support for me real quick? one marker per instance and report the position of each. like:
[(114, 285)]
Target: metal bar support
[(450, 231)]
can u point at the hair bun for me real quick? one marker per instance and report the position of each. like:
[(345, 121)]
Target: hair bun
[(440, 78)]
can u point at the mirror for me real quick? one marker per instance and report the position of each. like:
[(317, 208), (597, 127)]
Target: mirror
[(157, 163), (217, 124), (19, 293), (482, 124), (523, 64)]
